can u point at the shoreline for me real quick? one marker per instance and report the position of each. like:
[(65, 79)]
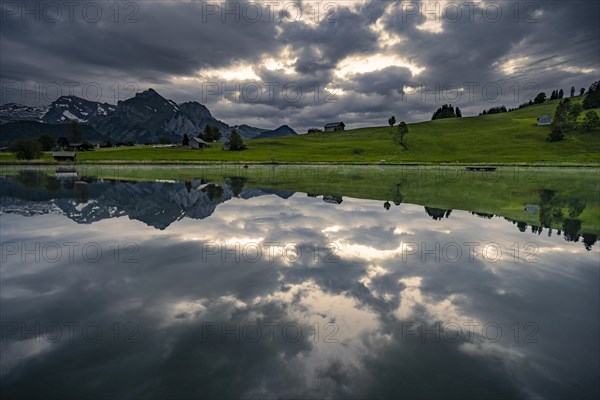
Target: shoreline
[(272, 163)]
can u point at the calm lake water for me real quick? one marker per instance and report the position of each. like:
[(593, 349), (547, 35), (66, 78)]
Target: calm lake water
[(188, 283)]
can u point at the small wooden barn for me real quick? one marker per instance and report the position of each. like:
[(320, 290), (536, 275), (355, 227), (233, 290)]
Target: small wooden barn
[(544, 120), (197, 143), (334, 126), (64, 156)]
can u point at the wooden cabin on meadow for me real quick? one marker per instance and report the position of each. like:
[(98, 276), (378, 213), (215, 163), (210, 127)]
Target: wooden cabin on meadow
[(197, 143), (544, 120), (334, 126), (63, 156)]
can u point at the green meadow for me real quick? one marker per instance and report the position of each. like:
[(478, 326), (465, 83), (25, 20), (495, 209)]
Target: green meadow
[(507, 138)]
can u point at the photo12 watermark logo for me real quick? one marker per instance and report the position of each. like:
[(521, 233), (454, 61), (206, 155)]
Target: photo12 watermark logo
[(70, 332), (421, 12), (468, 331), (269, 92), (47, 92), (54, 252), (71, 12), (471, 91), (454, 252), (254, 252), (268, 332)]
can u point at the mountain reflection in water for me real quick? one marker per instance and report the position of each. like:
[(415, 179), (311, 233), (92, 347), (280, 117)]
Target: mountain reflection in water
[(159, 204)]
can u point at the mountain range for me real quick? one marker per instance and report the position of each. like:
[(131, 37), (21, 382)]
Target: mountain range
[(146, 117)]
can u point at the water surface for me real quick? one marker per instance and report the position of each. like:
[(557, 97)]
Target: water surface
[(230, 285)]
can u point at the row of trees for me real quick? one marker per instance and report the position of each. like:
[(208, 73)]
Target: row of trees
[(447, 111), (592, 100), (581, 91), (557, 94), (31, 149), (494, 110), (565, 119)]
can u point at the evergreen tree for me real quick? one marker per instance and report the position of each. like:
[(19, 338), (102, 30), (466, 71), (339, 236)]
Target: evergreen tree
[(592, 99), (186, 140), (572, 91), (591, 120), (458, 113), (235, 141), (540, 98), (560, 121), (561, 94), (47, 142), (574, 111), (581, 91)]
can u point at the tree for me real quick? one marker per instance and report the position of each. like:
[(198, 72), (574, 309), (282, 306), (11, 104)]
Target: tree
[(581, 91), (402, 131), (87, 146), (216, 134), (574, 111), (591, 120), (186, 140), (206, 133), (458, 113), (561, 94), (540, 98), (75, 134), (560, 122), (572, 91), (392, 121), (235, 141), (554, 95), (26, 149), (62, 142), (592, 99), (47, 142), (211, 133)]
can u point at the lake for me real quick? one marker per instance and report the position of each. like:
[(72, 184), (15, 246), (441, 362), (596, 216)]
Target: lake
[(299, 282)]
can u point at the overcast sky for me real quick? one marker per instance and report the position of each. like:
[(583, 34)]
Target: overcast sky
[(301, 63)]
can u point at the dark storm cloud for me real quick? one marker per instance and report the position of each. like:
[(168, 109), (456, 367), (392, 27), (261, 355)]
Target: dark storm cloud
[(553, 47), (151, 44)]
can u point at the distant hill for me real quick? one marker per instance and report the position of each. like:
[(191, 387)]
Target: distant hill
[(248, 132), (146, 117), (283, 130)]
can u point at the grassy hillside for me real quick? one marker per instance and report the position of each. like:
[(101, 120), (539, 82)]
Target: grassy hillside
[(501, 138)]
